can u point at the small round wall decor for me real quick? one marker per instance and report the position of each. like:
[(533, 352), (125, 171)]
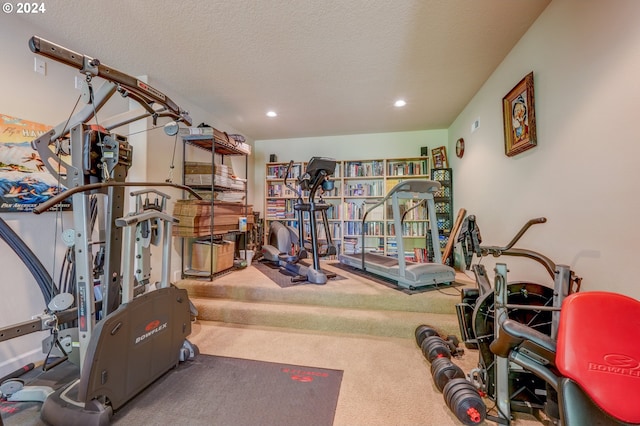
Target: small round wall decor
[(460, 147)]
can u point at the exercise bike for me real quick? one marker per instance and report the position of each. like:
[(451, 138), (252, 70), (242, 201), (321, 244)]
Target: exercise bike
[(287, 245), (483, 309)]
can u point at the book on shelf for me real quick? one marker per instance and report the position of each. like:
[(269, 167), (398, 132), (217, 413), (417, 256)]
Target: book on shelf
[(420, 255), (364, 168), (278, 171), (407, 167), (351, 245), (364, 189)]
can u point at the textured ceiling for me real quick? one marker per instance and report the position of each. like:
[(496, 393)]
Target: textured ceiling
[(327, 67)]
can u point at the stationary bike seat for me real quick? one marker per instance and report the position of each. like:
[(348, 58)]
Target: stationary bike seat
[(598, 349)]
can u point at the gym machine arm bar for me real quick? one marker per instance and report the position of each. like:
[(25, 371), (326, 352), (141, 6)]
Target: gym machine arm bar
[(39, 323), (530, 307), (83, 188), (507, 250), (141, 92), (497, 251), (144, 216)]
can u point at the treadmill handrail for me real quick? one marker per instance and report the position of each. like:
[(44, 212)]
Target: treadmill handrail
[(420, 186), (410, 209)]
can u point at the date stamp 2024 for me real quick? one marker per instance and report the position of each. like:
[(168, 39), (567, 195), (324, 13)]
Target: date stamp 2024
[(24, 8)]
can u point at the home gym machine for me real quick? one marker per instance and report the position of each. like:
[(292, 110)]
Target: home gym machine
[(139, 332), (405, 273), (594, 362), (484, 308), (282, 238)]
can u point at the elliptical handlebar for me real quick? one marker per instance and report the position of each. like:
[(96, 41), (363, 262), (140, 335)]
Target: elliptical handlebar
[(297, 191)]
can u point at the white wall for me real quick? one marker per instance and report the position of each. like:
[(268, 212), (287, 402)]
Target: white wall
[(50, 100), (349, 147), (583, 175)]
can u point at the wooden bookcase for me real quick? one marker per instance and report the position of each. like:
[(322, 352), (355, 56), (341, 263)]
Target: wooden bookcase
[(358, 184)]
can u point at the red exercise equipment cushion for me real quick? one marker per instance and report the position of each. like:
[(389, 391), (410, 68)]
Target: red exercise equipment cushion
[(599, 348)]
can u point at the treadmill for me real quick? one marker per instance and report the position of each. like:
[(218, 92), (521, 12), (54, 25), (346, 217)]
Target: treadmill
[(405, 273)]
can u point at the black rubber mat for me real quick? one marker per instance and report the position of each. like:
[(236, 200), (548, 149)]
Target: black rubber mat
[(28, 412), (281, 276), (213, 390)]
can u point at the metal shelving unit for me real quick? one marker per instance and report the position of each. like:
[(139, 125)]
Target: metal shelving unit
[(444, 208), (218, 146)]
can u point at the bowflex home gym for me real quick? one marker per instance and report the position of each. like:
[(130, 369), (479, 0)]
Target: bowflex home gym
[(128, 330)]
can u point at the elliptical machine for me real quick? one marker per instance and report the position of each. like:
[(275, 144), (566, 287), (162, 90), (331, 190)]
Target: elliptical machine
[(282, 237)]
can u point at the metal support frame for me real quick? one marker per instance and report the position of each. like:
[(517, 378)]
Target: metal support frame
[(502, 364), (562, 287), (99, 165), (130, 224), (115, 161), (83, 258)]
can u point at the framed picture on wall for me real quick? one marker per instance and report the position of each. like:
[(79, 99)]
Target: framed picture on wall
[(518, 108), (439, 157), (24, 179)]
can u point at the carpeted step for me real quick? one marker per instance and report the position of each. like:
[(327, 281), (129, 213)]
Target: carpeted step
[(386, 323), (351, 292)]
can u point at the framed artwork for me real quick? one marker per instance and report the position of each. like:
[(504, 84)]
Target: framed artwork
[(439, 157), (24, 180), (518, 108)]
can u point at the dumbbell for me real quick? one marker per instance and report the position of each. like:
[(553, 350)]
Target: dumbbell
[(463, 400), (444, 370), (422, 332), (434, 347)]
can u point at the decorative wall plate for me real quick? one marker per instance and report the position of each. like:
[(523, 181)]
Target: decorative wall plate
[(460, 147)]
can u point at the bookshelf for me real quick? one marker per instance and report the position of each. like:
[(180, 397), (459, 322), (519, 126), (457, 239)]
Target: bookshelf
[(279, 199), (358, 184)]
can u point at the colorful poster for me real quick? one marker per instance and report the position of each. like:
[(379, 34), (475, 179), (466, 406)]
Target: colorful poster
[(24, 180)]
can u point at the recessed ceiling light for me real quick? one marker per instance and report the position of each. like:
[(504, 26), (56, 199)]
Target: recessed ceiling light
[(272, 114), (400, 103)]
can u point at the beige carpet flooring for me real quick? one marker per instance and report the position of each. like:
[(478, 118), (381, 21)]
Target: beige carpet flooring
[(386, 381)]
